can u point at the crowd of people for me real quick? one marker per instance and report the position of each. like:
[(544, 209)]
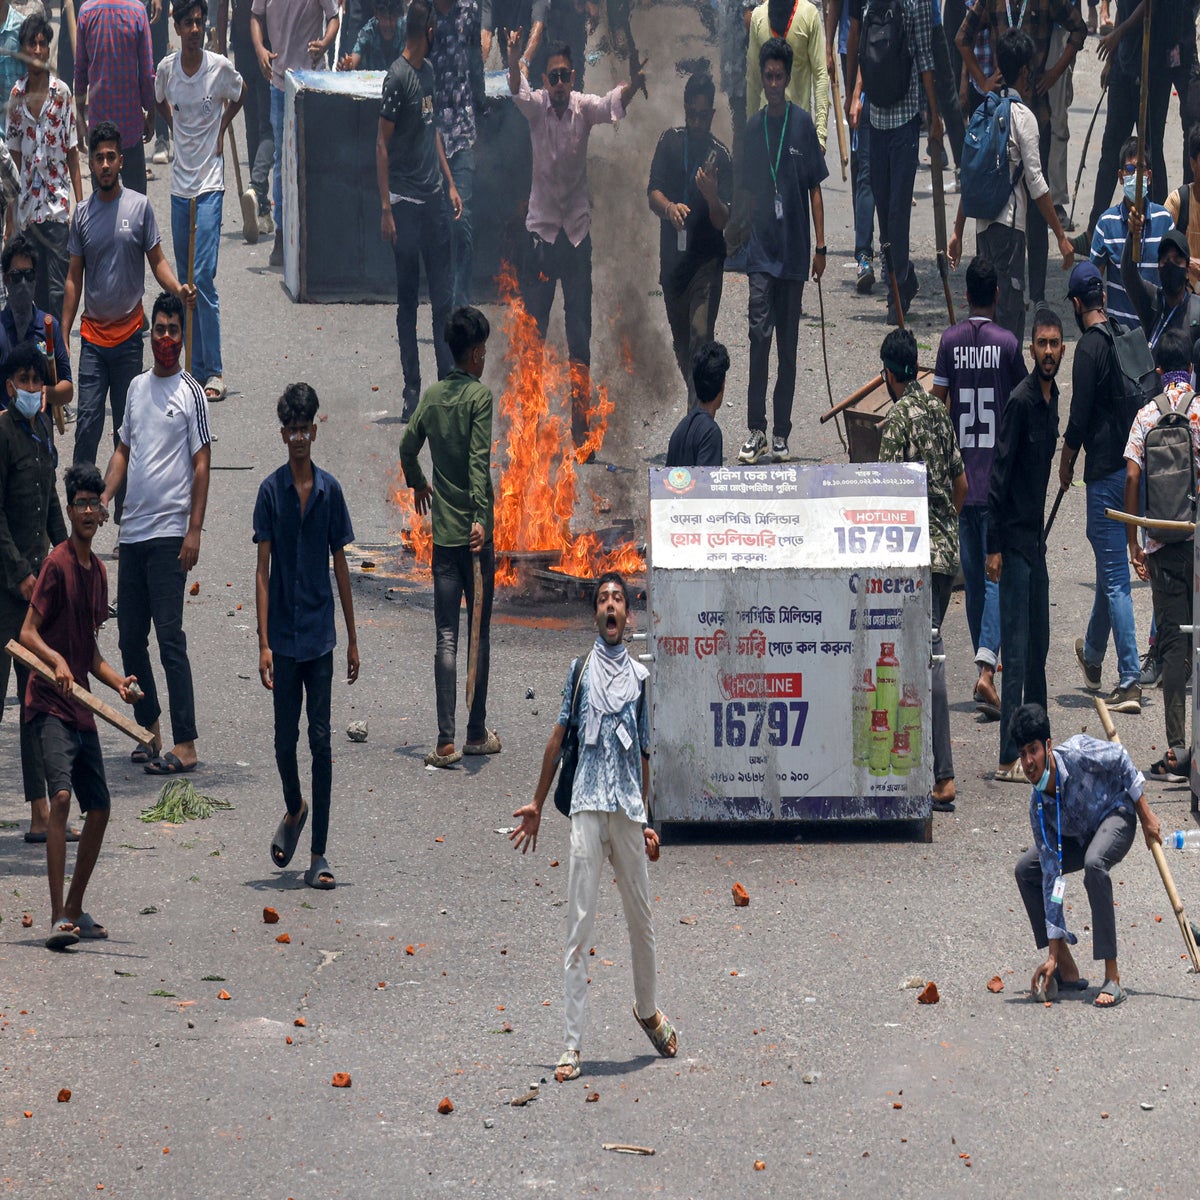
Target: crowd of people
[(984, 71)]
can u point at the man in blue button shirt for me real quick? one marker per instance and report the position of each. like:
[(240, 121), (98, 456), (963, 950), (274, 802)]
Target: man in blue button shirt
[(1087, 797), (300, 520)]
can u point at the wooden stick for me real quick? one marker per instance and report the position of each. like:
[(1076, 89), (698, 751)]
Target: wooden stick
[(893, 283), (1136, 248), (865, 390), (52, 368), (476, 627), (622, 1148), (1160, 859), (118, 720), (1125, 518), (187, 331), (837, 114)]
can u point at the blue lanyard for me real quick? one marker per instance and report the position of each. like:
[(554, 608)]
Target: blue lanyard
[(1163, 321), (1042, 819)]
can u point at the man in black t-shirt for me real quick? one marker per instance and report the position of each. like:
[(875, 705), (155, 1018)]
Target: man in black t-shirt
[(782, 171), (697, 440), (691, 185), (410, 166)]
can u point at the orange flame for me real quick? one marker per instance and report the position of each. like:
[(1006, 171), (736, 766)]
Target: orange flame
[(535, 500)]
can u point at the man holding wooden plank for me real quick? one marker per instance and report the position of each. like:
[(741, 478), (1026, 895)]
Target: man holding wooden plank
[(69, 603)]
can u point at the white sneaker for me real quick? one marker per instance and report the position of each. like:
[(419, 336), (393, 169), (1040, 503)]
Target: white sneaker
[(779, 449), (266, 226), (755, 448)]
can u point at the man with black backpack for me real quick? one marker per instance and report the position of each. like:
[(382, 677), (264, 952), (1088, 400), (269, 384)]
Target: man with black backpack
[(891, 44), (1170, 306), (1163, 451), (1001, 172), (603, 739), (1037, 18), (1102, 411)]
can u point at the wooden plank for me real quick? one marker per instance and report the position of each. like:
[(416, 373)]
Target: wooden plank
[(106, 712)]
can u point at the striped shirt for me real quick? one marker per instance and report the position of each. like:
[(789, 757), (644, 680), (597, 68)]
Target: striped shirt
[(114, 66), (1108, 244)]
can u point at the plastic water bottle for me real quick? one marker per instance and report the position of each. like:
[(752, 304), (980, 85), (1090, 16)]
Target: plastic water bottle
[(1184, 839)]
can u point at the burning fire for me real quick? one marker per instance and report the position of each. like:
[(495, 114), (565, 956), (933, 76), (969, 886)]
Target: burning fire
[(535, 499)]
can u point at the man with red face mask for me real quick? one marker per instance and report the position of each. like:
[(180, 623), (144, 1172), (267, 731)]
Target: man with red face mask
[(162, 457)]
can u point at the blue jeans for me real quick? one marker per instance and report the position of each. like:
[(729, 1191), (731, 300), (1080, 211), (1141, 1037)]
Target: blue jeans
[(104, 372), (309, 682), (206, 328), (1025, 631), (277, 132), (462, 235), (983, 596), (1112, 608), (422, 233), (860, 179), (893, 175)]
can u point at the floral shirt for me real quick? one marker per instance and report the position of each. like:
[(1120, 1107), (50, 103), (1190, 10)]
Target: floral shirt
[(43, 142), (608, 777), (918, 429), (457, 62), (1181, 397), (1094, 779)]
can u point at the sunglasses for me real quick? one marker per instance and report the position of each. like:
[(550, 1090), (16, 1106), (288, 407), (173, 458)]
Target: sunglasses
[(26, 276), (560, 75), (85, 505)]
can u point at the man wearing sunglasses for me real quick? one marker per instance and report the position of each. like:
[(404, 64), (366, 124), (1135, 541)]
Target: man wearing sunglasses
[(691, 186), (559, 218)]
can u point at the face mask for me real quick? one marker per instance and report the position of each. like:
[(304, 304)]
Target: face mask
[(20, 297), (28, 404), (1172, 276), (166, 352), (1130, 188), (1044, 782)]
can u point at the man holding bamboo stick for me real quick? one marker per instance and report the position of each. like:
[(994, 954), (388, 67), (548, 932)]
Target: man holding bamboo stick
[(69, 603), (1086, 802)]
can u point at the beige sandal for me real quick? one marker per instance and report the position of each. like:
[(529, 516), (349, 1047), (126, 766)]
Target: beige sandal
[(662, 1035), (568, 1066), (489, 745)]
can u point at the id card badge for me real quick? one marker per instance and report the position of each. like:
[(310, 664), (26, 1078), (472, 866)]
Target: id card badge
[(681, 241), (778, 207), (1059, 890), (623, 736)]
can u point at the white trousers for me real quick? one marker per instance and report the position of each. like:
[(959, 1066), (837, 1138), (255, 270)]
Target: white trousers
[(597, 837), (1062, 95)]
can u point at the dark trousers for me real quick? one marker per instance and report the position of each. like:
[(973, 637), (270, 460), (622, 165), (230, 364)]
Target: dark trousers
[(462, 232), (1171, 587), (260, 139), (945, 79), (1120, 120), (158, 49), (310, 682), (33, 772), (1109, 844), (943, 756), (66, 59), (1025, 636), (1037, 233), (133, 166), (50, 238), (775, 306), (104, 372), (548, 264), (150, 587), (422, 234), (1005, 246), (893, 174), (454, 578), (692, 316)]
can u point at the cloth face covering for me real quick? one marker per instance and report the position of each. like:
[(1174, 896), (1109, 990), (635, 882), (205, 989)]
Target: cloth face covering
[(20, 300), (614, 681), (166, 352)]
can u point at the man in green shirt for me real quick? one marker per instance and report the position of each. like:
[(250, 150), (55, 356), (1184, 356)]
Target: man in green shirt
[(455, 417)]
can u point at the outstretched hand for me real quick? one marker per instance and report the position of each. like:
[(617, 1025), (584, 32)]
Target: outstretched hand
[(524, 837)]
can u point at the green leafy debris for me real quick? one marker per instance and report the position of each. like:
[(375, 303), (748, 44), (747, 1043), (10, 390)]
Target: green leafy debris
[(179, 801)]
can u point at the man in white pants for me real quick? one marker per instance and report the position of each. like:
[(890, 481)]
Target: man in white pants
[(608, 817)]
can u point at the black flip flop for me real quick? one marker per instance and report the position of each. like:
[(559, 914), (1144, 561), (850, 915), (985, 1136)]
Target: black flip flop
[(144, 754), (169, 764), (286, 839), (39, 839), (989, 710), (313, 876), (1071, 985)]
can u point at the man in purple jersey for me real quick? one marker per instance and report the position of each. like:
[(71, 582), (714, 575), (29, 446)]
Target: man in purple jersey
[(978, 364)]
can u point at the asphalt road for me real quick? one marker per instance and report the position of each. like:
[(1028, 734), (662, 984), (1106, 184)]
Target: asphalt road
[(798, 1048)]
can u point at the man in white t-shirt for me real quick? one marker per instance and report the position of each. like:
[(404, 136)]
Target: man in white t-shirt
[(162, 456), (198, 94)]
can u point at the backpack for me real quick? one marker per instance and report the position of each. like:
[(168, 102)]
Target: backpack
[(985, 181), (883, 52), (1140, 382), (1170, 470)]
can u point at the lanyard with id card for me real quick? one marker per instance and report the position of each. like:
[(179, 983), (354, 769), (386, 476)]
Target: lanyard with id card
[(787, 112), (1059, 890)]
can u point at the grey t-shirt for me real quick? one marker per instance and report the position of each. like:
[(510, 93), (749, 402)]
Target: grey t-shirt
[(291, 25), (113, 238), (413, 169)]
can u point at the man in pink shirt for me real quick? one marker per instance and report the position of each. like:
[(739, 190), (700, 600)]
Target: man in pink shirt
[(559, 217)]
